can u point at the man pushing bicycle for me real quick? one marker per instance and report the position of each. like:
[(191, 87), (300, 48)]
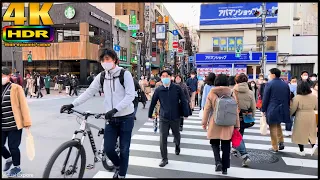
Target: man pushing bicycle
[(118, 87)]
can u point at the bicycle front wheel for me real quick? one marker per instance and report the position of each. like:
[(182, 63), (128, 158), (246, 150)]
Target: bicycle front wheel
[(68, 167)]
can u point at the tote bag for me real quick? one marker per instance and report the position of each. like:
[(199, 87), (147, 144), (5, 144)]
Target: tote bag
[(263, 125), (30, 145)]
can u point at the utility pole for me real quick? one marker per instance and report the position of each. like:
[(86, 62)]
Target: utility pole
[(264, 38)]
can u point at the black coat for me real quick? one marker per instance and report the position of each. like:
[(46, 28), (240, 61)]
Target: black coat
[(136, 88), (41, 82), (173, 103)]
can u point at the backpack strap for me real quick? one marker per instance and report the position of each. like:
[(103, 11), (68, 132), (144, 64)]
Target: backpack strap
[(121, 77), (102, 77)]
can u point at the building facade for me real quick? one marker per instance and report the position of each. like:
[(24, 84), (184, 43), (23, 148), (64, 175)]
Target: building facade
[(227, 26), (79, 34)]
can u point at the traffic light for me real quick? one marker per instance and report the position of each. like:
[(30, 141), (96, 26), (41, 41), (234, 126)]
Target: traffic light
[(138, 34), (29, 57), (274, 11), (257, 12)]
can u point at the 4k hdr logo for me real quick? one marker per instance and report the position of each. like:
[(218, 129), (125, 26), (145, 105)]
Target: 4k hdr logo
[(34, 34)]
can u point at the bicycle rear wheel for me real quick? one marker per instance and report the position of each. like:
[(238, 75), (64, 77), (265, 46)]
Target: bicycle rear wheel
[(72, 168)]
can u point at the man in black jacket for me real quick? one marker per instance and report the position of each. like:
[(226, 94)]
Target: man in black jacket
[(136, 99), (173, 105)]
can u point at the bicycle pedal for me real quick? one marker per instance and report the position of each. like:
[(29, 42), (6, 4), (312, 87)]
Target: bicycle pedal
[(90, 166)]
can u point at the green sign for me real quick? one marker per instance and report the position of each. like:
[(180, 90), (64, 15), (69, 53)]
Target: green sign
[(122, 25), (133, 20), (134, 60), (69, 12), (29, 57), (123, 58)]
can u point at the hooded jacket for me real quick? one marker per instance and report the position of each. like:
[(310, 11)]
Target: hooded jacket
[(245, 97), (115, 95)]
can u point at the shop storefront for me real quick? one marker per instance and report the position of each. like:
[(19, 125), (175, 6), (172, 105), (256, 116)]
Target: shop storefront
[(80, 31), (229, 64)]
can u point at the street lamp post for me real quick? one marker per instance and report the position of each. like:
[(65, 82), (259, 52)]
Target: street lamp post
[(138, 48)]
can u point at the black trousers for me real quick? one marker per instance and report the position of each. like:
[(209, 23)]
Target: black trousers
[(48, 90), (165, 125), (74, 91), (14, 140), (225, 147)]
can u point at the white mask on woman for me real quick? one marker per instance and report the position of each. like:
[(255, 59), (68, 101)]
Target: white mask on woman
[(4, 80), (107, 65)]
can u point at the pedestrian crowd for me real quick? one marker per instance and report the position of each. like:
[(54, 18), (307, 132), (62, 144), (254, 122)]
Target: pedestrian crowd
[(228, 107)]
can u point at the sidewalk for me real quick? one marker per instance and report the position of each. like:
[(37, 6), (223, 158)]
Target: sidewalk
[(53, 95)]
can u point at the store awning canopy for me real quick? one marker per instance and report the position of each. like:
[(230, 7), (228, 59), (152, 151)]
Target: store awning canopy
[(155, 66)]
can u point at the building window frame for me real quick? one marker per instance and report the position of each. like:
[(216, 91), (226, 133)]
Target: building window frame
[(132, 12), (272, 44), (124, 12), (222, 44)]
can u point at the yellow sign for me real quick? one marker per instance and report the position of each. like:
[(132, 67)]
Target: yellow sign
[(239, 41), (223, 41), (34, 33)]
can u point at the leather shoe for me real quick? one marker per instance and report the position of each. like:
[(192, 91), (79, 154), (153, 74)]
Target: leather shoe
[(281, 146), (163, 163), (224, 171), (218, 167), (177, 150)]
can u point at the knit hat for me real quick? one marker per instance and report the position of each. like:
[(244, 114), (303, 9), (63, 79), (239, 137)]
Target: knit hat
[(5, 71)]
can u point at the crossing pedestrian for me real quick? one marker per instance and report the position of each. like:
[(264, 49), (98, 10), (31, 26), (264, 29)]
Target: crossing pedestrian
[(74, 82), (247, 104), (303, 106), (173, 105), (208, 86), (15, 117), (118, 105), (275, 106), (136, 99), (47, 81), (215, 133), (192, 83), (179, 81), (60, 83), (39, 83)]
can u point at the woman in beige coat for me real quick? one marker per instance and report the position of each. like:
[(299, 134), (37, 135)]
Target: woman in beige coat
[(215, 132), (305, 126), (30, 86)]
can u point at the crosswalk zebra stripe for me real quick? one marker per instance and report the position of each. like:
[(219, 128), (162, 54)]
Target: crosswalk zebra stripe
[(209, 169), (139, 147), (196, 155)]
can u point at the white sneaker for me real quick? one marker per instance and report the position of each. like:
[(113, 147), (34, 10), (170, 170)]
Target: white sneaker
[(289, 133), (301, 153), (286, 134), (314, 150)]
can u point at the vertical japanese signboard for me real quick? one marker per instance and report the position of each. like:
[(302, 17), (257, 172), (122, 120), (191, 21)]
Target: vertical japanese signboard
[(133, 20), (223, 44), (239, 43)]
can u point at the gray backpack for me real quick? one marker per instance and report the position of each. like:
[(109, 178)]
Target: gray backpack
[(226, 111)]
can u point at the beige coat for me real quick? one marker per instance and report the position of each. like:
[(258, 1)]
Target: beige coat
[(215, 131), (19, 106), (245, 97), (305, 125)]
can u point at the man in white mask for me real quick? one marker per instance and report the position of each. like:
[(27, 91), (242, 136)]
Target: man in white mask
[(192, 83), (119, 90)]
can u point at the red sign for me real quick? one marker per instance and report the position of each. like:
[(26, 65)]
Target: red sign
[(180, 50), (175, 44)]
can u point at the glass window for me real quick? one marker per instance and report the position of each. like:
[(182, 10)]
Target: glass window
[(271, 43), (138, 15), (226, 44), (67, 33), (124, 12), (94, 35), (132, 12)]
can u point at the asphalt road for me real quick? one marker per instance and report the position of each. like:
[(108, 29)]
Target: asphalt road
[(50, 129)]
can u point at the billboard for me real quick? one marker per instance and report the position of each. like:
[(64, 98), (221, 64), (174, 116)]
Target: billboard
[(209, 58), (233, 13), (222, 69)]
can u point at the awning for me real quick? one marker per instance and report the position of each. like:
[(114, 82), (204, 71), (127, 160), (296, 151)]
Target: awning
[(125, 65), (155, 66)]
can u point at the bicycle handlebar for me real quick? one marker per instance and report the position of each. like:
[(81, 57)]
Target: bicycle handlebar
[(97, 116)]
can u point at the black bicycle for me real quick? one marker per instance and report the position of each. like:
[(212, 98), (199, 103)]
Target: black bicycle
[(77, 143)]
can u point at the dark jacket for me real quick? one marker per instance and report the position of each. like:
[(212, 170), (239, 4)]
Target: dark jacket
[(41, 82), (276, 102), (185, 90), (193, 84), (60, 80), (67, 81), (136, 88), (262, 87), (173, 103)]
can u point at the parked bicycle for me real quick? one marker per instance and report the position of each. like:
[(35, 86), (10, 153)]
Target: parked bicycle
[(77, 143)]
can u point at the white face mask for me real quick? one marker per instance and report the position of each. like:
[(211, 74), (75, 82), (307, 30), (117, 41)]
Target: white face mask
[(4, 80), (269, 77), (293, 83), (142, 77), (313, 78), (252, 85), (107, 65), (192, 76), (304, 77)]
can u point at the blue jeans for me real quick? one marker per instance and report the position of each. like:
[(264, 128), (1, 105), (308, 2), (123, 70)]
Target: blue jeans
[(122, 127), (242, 148), (289, 125)]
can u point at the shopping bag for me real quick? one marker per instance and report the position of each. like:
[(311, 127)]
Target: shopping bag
[(236, 138), (201, 113), (259, 104), (30, 145), (263, 125)]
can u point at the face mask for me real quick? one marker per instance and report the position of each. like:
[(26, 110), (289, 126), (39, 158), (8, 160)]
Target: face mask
[(293, 83), (4, 80), (142, 77), (192, 76), (304, 77), (107, 66), (178, 81), (252, 85), (313, 78), (269, 77), (165, 81)]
